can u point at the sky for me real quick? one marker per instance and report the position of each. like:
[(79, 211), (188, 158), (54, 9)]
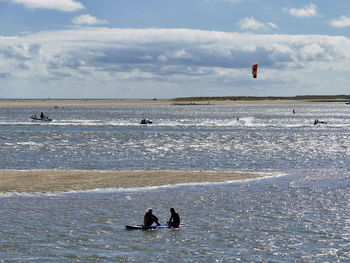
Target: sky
[(167, 49)]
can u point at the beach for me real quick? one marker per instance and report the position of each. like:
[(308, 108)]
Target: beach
[(145, 102), (56, 181)]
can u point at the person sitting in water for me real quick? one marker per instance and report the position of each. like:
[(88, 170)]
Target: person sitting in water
[(174, 220), (150, 218)]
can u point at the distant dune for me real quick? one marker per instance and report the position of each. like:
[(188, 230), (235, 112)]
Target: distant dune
[(225, 100)]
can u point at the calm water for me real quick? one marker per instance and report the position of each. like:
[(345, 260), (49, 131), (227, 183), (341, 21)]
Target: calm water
[(302, 216)]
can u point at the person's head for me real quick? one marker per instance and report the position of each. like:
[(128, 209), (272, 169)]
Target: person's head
[(172, 210), (149, 210)]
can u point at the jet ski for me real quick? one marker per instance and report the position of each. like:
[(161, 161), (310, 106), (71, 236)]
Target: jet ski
[(319, 122), (145, 121), (44, 118)]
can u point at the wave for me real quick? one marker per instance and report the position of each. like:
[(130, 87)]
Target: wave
[(249, 122), (244, 121)]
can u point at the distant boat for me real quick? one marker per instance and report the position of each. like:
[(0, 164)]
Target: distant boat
[(347, 102), (36, 118), (319, 122), (145, 121)]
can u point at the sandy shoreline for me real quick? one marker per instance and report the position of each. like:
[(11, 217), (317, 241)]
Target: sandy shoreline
[(115, 103), (56, 181)]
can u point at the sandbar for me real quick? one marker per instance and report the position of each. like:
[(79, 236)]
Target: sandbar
[(57, 181)]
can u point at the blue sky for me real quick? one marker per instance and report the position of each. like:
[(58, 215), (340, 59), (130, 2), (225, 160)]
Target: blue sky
[(166, 49)]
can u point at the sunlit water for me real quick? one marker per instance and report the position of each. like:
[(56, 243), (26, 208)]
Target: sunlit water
[(302, 216)]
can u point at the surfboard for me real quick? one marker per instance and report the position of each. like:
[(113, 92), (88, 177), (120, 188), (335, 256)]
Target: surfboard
[(141, 227)]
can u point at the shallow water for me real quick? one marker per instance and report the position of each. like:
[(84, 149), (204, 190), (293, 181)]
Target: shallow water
[(300, 217), (192, 137)]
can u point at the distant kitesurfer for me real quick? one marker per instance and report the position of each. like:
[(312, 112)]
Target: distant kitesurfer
[(174, 220), (255, 70), (293, 111), (149, 218)]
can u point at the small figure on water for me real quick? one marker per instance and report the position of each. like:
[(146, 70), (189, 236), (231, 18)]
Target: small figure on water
[(42, 117), (150, 218), (174, 220), (145, 121), (319, 122)]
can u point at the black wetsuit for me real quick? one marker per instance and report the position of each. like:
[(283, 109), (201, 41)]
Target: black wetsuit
[(174, 220), (149, 219)]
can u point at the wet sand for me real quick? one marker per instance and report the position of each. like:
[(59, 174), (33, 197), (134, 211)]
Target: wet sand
[(56, 181), (116, 103)]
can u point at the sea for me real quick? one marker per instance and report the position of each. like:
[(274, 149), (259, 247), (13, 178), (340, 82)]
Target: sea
[(301, 214)]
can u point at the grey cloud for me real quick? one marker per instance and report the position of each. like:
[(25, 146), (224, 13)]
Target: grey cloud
[(113, 56), (19, 51), (68, 60), (4, 75), (174, 47), (13, 52), (23, 66), (161, 55)]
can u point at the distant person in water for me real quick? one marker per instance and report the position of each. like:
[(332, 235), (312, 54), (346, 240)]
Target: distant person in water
[(150, 218), (42, 115), (174, 220), (319, 122)]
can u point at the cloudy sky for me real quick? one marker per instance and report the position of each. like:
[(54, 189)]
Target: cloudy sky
[(167, 49)]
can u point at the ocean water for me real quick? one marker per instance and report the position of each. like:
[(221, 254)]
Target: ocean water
[(301, 216)]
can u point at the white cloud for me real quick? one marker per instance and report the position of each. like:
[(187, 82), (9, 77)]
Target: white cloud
[(106, 62), (307, 11), (228, 1), (251, 24), (61, 5), (87, 20), (343, 21), (272, 25)]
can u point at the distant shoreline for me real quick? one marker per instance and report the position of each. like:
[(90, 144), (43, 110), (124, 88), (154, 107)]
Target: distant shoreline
[(229, 100), (310, 98), (58, 181)]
